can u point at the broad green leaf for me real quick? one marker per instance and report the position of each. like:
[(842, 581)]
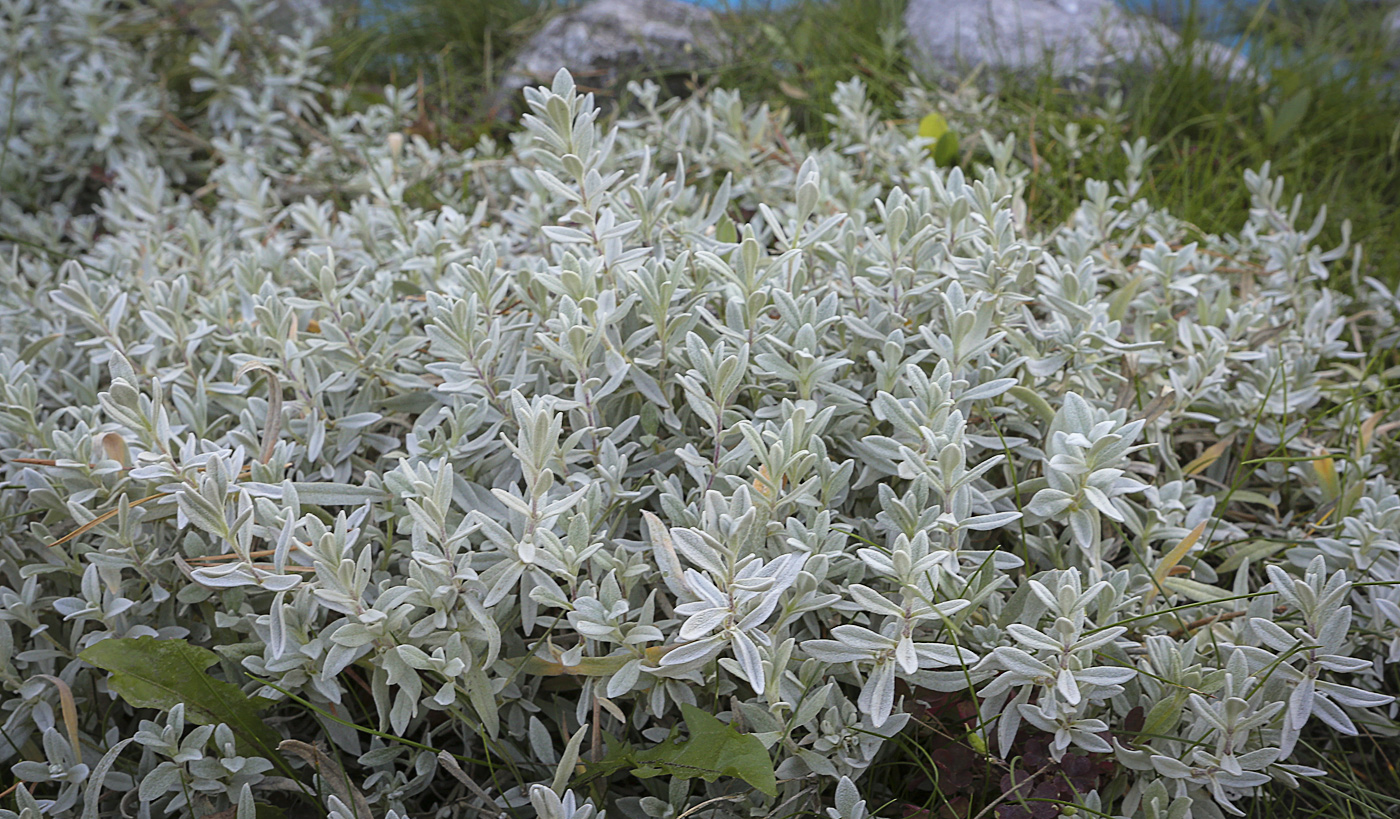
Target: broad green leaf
[(945, 150), (712, 750), (944, 142), (933, 126), (618, 756), (151, 673)]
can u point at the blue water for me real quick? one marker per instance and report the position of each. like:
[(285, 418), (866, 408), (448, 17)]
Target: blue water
[(1213, 14)]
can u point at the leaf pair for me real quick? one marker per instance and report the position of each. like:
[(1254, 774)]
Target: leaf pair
[(943, 147)]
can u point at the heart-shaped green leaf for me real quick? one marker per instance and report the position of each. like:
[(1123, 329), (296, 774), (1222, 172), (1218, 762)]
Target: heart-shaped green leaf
[(712, 750)]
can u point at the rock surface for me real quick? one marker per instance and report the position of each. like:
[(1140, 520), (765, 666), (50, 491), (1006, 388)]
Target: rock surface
[(603, 38), (1069, 36)]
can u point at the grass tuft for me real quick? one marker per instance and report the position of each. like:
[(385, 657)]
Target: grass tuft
[(1326, 115)]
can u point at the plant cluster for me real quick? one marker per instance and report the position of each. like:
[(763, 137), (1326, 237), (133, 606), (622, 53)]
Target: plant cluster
[(666, 467)]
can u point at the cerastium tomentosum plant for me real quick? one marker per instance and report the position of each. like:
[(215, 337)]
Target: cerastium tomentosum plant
[(482, 468)]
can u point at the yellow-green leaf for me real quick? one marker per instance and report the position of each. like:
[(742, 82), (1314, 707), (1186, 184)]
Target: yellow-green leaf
[(933, 126), (1327, 478), (69, 707), (1210, 456), (1172, 558), (1368, 432), (943, 147)]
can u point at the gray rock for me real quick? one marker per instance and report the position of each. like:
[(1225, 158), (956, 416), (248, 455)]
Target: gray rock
[(1068, 36), (601, 39)]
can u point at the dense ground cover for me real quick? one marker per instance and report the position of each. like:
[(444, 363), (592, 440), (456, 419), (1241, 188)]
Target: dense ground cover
[(678, 462)]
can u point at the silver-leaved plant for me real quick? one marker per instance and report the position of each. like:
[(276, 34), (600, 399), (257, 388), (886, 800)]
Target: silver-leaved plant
[(355, 473)]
